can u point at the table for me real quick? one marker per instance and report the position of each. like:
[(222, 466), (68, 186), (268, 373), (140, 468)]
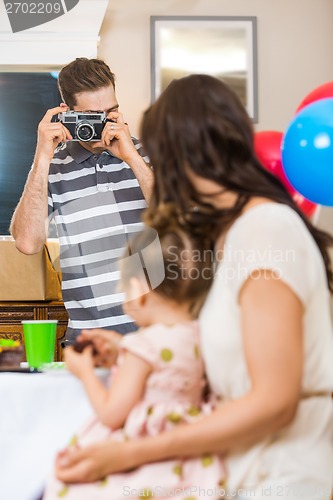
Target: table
[(39, 413), (12, 313)]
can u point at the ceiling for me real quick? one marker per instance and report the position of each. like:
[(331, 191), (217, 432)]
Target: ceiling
[(74, 34)]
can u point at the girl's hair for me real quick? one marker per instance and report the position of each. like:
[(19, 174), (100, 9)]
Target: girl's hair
[(199, 124), (174, 264), (83, 75)]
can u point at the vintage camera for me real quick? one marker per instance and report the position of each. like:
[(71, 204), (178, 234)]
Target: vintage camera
[(84, 126)]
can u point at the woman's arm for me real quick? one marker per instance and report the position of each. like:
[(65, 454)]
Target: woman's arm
[(112, 405), (272, 337)]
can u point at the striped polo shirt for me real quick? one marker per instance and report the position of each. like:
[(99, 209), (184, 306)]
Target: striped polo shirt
[(96, 203)]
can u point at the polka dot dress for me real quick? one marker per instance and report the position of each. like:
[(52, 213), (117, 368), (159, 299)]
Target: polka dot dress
[(173, 397)]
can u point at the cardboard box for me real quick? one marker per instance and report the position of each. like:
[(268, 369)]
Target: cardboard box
[(29, 277)]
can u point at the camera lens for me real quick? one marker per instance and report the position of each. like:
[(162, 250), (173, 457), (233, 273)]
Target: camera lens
[(85, 131)]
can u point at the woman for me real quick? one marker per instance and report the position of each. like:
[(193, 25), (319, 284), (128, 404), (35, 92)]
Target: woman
[(266, 334)]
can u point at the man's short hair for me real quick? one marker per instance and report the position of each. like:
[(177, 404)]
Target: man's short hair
[(83, 75)]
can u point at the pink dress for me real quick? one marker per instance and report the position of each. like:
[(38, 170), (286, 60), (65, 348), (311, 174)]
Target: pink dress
[(173, 395)]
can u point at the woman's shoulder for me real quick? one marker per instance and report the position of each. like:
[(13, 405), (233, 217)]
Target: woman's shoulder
[(274, 236), (269, 222), (267, 210)]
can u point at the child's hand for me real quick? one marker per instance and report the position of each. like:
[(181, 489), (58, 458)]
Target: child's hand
[(106, 343), (79, 363)]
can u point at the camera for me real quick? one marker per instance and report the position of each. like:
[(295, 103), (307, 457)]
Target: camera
[(84, 126)]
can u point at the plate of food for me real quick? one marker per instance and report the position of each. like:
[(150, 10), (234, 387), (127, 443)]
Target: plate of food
[(58, 368), (11, 355)]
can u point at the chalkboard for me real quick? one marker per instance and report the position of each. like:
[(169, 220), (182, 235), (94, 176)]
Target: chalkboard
[(24, 99)]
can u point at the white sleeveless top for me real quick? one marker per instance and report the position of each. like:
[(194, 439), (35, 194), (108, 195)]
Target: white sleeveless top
[(299, 462)]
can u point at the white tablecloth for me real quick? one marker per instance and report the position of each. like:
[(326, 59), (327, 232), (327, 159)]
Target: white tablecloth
[(38, 415)]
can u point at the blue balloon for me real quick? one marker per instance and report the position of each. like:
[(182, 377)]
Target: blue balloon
[(307, 152)]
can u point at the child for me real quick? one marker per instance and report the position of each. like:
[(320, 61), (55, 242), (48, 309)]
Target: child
[(159, 379)]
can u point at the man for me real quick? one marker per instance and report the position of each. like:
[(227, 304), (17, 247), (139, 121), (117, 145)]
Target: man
[(95, 191)]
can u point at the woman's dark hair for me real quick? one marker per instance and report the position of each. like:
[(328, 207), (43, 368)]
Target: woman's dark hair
[(172, 263), (199, 124), (83, 75)]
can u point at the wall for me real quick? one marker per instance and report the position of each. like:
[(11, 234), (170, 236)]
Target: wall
[(295, 40)]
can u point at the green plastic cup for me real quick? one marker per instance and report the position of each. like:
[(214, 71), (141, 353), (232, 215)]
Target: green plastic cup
[(39, 340)]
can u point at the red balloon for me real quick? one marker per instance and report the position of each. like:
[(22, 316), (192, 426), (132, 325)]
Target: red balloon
[(308, 207), (322, 92), (267, 146)]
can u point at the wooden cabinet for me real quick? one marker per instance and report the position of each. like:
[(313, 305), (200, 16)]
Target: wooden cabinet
[(12, 313)]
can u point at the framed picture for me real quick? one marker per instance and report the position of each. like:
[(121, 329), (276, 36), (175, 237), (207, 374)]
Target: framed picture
[(225, 47)]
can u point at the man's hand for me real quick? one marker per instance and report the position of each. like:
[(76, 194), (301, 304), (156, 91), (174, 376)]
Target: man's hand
[(50, 133), (117, 139), (106, 343)]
